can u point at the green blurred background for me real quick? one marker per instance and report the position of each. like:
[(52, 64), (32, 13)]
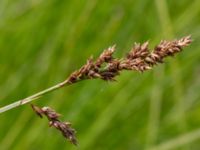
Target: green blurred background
[(43, 41)]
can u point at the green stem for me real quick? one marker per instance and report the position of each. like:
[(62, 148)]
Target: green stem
[(34, 96)]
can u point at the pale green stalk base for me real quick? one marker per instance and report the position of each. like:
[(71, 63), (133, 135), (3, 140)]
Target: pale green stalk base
[(33, 97)]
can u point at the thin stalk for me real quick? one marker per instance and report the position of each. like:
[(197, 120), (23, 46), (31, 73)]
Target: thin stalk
[(34, 96)]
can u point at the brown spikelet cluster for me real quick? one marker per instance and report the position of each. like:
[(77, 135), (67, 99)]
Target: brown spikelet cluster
[(53, 117), (140, 58)]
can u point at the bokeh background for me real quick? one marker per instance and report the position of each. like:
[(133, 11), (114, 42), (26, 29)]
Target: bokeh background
[(43, 41)]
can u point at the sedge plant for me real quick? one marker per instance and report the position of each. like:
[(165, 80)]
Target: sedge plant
[(106, 67)]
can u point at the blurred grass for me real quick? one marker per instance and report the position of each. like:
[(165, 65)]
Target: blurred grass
[(41, 42)]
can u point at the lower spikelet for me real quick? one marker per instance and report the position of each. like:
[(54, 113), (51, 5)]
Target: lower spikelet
[(53, 117)]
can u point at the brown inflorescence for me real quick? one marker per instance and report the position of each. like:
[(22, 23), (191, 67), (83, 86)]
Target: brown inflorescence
[(140, 58), (106, 67), (53, 117)]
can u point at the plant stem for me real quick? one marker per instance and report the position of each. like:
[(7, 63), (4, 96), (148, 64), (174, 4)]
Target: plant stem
[(34, 96), (138, 59)]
